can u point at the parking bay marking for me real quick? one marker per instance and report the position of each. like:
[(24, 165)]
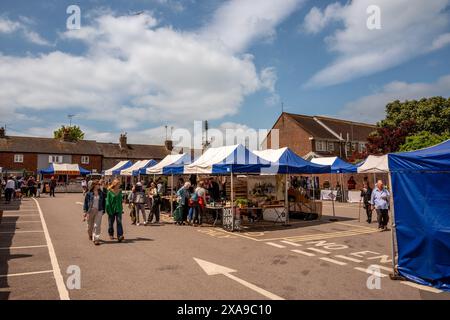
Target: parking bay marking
[(24, 247), (349, 258), (319, 250), (291, 243), (24, 273)]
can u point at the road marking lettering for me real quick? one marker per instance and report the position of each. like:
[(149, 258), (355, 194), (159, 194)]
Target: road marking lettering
[(24, 247), (328, 245), (275, 245), (333, 261), (24, 273), (421, 287), (292, 243), (308, 254), (383, 258), (369, 271), (361, 254), (63, 293), (348, 258), (319, 250)]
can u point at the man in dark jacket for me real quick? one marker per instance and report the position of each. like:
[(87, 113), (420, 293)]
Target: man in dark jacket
[(366, 194)]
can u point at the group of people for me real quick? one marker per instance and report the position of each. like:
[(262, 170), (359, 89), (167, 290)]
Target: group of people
[(13, 187), (139, 198), (98, 200), (376, 199)]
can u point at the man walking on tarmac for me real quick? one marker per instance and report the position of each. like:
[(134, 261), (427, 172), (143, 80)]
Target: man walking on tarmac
[(380, 202)]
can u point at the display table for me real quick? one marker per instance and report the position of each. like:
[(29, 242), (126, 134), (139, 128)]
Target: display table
[(354, 196), (308, 207), (275, 213)]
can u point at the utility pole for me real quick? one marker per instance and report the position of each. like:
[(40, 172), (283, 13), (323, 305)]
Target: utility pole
[(70, 116)]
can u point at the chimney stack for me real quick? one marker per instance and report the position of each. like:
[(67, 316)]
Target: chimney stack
[(2, 132), (169, 145), (123, 141), (66, 134)]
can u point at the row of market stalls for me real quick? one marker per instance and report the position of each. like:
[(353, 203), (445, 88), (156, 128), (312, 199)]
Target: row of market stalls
[(417, 180)]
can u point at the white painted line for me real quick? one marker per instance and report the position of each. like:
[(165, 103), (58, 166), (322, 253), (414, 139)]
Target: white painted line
[(275, 245), (212, 269), (292, 243), (334, 261), (20, 215), (24, 274), (349, 259), (63, 293), (319, 250), (30, 231), (24, 247), (378, 274), (304, 253), (421, 287), (80, 203)]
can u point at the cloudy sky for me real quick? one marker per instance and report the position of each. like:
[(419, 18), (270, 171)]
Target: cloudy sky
[(137, 65)]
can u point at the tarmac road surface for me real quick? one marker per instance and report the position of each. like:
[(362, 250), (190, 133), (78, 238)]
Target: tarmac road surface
[(40, 250)]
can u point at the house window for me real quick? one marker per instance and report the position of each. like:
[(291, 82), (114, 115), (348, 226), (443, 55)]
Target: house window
[(85, 160), (321, 146), (331, 146), (362, 147), (18, 158), (55, 159), (354, 146)]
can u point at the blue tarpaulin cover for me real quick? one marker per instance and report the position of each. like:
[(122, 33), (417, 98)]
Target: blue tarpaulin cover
[(420, 185), (285, 161), (337, 164)]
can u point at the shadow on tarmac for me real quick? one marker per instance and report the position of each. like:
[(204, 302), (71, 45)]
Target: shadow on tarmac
[(5, 244)]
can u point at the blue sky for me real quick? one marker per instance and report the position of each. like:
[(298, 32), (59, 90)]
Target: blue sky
[(230, 62)]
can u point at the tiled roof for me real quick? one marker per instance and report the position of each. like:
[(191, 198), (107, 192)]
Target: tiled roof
[(48, 145), (132, 151), (357, 131)]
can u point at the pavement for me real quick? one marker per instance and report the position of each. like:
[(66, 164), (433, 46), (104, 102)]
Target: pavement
[(45, 254)]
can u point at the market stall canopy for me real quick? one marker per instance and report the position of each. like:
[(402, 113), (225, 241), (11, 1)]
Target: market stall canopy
[(227, 159), (171, 164), (422, 206), (435, 158), (143, 169), (284, 161), (134, 169), (115, 171), (65, 168), (374, 164), (337, 164)]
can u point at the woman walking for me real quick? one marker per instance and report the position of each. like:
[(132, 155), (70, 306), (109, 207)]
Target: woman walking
[(139, 199), (155, 203), (93, 211), (114, 210)]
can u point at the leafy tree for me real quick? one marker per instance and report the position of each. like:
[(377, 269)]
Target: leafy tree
[(73, 133), (422, 140), (410, 118), (389, 138), (430, 114)]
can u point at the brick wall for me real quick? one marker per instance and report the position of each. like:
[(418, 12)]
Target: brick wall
[(95, 162), (292, 136), (29, 161)]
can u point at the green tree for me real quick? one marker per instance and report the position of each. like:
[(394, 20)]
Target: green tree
[(429, 114), (423, 139), (72, 133), (408, 119)]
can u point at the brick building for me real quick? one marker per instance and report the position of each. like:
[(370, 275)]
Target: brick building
[(318, 136), (28, 155)]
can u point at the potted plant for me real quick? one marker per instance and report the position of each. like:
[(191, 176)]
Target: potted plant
[(241, 203)]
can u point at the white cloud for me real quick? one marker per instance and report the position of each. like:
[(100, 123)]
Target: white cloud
[(409, 28), (371, 108), (134, 72), (8, 26), (237, 23), (316, 20)]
